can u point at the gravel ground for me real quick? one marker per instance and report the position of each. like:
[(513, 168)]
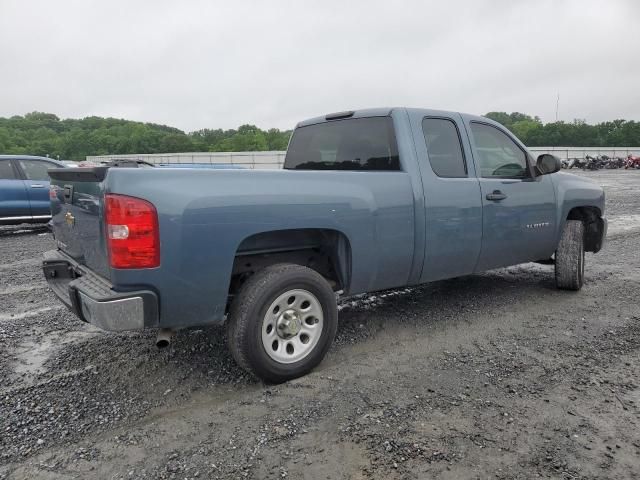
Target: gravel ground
[(496, 375)]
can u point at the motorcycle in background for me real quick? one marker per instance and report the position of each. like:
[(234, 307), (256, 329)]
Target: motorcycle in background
[(632, 162)]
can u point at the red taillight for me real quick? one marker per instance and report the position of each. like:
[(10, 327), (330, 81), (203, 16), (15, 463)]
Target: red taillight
[(132, 232)]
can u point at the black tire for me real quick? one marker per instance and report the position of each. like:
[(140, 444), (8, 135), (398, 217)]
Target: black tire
[(570, 257), (249, 307)]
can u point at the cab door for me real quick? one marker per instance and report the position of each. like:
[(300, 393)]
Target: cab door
[(453, 207), (519, 208), (36, 180), (14, 201)]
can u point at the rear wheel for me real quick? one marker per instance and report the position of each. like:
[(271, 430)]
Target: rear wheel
[(282, 322), (570, 257)]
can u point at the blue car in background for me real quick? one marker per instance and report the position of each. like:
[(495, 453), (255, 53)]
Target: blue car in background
[(24, 188)]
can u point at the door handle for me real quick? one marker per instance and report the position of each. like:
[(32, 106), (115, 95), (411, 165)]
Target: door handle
[(496, 196), (37, 185)]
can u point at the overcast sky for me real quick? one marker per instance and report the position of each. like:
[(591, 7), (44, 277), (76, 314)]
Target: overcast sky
[(209, 64)]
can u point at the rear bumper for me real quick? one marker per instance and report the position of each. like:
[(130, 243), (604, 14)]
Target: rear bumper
[(93, 299)]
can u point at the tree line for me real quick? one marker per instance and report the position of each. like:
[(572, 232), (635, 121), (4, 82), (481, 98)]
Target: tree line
[(533, 133), (45, 134)]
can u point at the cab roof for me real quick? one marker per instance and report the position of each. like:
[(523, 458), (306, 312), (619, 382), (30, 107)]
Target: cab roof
[(385, 112)]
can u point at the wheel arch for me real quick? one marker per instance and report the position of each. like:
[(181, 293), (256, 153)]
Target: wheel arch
[(325, 250), (594, 226)]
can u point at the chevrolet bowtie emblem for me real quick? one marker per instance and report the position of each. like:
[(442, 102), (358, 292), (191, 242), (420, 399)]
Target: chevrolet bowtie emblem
[(69, 218)]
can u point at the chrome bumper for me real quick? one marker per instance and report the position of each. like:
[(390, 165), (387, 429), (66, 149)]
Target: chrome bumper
[(93, 299)]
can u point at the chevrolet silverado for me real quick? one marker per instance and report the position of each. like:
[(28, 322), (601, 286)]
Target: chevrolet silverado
[(367, 200)]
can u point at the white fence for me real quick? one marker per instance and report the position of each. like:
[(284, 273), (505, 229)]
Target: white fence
[(582, 152), (275, 159)]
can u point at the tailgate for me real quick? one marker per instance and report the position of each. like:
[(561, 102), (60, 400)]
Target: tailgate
[(76, 209)]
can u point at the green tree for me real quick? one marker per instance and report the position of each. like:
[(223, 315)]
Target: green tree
[(526, 130), (40, 133), (500, 117)]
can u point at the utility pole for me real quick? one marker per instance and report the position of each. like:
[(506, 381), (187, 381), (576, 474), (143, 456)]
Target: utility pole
[(557, 103)]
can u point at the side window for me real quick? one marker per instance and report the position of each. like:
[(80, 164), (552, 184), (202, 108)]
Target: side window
[(444, 148), (35, 169), (499, 156), (6, 170)]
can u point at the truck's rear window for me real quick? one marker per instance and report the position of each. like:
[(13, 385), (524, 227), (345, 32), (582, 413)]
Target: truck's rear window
[(353, 144)]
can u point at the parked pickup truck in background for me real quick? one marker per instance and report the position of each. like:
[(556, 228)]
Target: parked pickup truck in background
[(367, 200), (24, 188)]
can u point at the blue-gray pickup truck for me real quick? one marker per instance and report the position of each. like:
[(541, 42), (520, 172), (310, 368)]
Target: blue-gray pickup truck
[(367, 200)]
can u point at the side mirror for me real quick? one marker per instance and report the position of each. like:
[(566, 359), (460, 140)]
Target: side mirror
[(547, 164)]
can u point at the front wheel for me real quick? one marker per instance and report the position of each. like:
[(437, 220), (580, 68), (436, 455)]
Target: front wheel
[(282, 322), (570, 257)]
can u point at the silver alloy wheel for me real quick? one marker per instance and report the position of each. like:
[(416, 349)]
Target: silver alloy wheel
[(292, 326)]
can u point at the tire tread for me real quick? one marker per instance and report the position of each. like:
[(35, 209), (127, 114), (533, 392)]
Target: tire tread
[(243, 307), (569, 264)]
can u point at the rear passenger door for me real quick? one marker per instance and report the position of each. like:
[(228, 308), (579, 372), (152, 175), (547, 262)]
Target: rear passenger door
[(453, 206), (519, 208), (36, 179), (14, 201)]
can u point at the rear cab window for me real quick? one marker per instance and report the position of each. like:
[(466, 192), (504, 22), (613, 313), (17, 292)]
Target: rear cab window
[(362, 144)]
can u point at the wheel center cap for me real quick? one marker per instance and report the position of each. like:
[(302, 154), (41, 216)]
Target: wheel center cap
[(288, 324)]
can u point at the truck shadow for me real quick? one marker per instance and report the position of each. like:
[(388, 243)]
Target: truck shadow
[(487, 294), (198, 358), (124, 376)]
